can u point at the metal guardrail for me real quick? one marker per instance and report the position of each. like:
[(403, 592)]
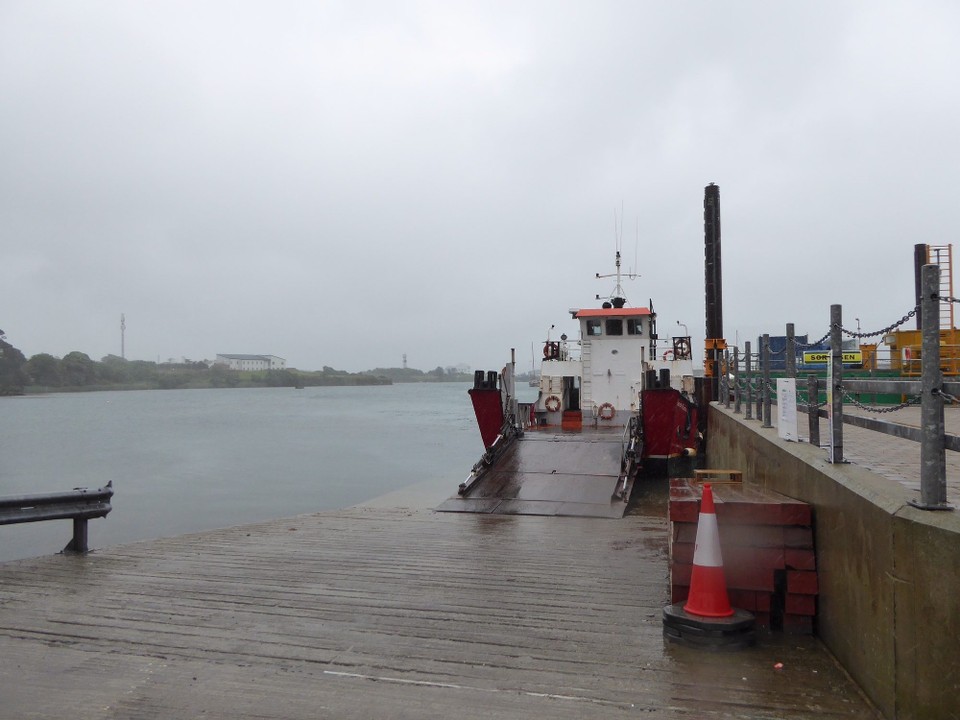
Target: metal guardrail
[(930, 392), (79, 504)]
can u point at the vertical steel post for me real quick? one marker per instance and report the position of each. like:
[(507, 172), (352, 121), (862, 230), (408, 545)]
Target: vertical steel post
[(78, 543), (766, 381), (759, 377), (726, 379), (736, 380), (920, 253), (933, 461), (713, 289), (747, 380), (813, 411), (836, 381), (791, 352)]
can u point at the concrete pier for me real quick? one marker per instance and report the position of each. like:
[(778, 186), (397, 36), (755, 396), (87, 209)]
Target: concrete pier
[(887, 571), (373, 612)]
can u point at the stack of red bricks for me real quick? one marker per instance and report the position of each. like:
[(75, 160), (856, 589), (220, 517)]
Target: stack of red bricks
[(766, 540)]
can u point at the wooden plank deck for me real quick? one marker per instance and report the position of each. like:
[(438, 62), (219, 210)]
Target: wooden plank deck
[(386, 613)]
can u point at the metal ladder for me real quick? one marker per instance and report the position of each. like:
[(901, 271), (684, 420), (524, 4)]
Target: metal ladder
[(586, 378), (942, 255)]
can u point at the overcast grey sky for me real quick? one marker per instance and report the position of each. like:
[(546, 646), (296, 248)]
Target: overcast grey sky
[(340, 183)]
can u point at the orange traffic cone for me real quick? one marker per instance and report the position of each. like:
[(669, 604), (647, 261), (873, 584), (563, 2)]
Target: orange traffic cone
[(708, 589)]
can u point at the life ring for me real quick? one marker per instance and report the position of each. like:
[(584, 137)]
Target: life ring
[(551, 350), (606, 411), (552, 403), (670, 353)]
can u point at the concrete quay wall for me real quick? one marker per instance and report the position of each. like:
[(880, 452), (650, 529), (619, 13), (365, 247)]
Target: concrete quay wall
[(889, 574)]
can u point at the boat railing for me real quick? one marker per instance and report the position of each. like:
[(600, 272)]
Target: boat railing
[(566, 350), (630, 451)]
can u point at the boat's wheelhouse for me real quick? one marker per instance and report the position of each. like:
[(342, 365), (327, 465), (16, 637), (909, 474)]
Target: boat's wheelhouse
[(616, 344), (617, 359)]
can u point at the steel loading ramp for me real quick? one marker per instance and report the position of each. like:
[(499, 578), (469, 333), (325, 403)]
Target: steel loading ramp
[(550, 473)]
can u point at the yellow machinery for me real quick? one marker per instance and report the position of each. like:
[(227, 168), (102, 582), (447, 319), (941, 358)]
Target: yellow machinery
[(905, 344)]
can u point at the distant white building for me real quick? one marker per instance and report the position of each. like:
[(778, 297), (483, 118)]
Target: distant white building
[(251, 362)]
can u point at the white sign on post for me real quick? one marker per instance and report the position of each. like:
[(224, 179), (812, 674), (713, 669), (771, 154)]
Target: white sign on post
[(787, 409)]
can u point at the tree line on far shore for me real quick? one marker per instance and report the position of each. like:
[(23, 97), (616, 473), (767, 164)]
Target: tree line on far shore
[(77, 371)]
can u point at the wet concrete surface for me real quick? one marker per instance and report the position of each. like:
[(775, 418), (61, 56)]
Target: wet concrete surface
[(398, 612)]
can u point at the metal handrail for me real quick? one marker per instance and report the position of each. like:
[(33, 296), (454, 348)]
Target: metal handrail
[(79, 504)]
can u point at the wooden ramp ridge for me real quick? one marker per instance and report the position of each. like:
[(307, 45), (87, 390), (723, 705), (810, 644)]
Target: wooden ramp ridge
[(386, 614)]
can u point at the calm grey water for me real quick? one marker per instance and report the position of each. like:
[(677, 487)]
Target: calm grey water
[(190, 460)]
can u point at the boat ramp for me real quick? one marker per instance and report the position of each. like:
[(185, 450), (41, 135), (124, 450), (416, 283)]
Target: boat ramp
[(388, 612)]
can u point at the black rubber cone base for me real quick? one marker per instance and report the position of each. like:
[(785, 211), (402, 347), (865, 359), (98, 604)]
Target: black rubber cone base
[(728, 633)]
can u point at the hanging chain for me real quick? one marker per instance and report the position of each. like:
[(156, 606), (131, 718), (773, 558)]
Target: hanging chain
[(803, 399), (816, 343), (876, 333), (915, 400), (887, 329)]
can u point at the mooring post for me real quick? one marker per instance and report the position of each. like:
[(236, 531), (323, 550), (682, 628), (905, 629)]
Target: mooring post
[(836, 384), (791, 352), (766, 381), (933, 461), (813, 410), (748, 380), (736, 380)]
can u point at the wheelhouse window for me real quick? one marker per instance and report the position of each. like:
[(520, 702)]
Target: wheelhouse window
[(615, 326), (634, 326), (594, 327)]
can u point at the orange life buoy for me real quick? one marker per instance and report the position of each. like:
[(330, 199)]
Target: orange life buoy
[(552, 403), (606, 411), (551, 350)]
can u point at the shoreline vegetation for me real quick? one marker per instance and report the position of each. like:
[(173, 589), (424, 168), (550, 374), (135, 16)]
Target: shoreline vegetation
[(77, 372)]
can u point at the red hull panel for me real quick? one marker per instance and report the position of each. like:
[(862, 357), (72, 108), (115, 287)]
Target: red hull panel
[(489, 412), (669, 424)]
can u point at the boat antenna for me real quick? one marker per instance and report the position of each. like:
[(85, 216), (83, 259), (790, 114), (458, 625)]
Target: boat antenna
[(619, 298)]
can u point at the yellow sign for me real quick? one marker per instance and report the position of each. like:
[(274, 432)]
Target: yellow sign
[(850, 357)]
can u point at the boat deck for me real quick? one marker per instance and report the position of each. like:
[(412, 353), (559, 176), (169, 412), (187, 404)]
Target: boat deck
[(551, 472), (388, 613)]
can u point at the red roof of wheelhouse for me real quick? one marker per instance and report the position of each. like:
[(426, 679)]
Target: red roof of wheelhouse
[(611, 312)]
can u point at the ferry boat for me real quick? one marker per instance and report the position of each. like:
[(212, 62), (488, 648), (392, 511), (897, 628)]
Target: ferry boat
[(612, 405)]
